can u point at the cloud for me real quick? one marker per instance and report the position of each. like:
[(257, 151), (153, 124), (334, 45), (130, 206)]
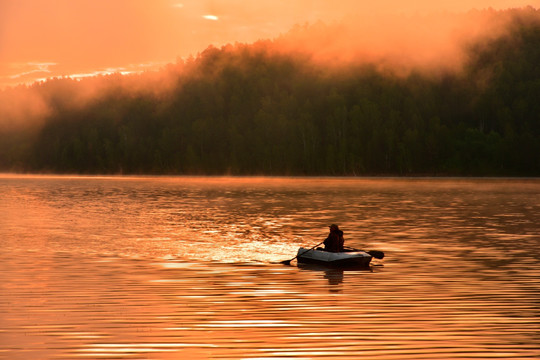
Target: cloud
[(210, 17), (31, 68)]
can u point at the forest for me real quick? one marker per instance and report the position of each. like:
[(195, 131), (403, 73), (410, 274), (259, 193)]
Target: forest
[(251, 109)]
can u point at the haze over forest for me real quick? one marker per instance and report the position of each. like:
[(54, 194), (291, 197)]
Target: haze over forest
[(441, 94)]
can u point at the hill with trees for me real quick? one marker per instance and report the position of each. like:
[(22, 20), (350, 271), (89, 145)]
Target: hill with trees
[(255, 109)]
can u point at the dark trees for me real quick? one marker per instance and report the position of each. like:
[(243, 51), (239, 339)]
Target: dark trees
[(251, 110)]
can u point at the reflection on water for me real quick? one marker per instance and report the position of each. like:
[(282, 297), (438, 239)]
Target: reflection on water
[(163, 268)]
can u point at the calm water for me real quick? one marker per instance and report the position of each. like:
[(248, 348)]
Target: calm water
[(170, 268)]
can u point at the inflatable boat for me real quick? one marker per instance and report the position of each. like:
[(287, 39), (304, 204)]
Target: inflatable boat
[(349, 257)]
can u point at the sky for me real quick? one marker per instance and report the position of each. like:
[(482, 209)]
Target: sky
[(41, 39)]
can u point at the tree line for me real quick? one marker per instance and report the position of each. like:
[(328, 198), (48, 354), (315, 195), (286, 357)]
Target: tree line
[(251, 110)]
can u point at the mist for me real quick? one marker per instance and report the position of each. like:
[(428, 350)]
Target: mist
[(396, 44), (399, 44), (441, 76), (39, 39)]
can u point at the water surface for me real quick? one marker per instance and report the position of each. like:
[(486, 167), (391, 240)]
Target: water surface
[(168, 268)]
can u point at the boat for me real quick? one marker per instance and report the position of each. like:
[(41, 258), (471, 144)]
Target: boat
[(347, 258)]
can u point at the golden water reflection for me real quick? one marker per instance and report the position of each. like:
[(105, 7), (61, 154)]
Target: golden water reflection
[(116, 268)]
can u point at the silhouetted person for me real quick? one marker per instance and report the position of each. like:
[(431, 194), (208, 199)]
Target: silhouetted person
[(334, 241)]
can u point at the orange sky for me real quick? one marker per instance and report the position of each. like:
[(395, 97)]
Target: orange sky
[(46, 38)]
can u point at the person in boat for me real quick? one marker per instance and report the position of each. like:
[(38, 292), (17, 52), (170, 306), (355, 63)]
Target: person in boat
[(334, 242)]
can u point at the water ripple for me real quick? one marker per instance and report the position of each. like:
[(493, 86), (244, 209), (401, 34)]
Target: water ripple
[(164, 268)]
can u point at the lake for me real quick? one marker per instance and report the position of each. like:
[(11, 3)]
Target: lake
[(188, 267)]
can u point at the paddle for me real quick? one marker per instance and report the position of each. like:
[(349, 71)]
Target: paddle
[(288, 262), (376, 254)]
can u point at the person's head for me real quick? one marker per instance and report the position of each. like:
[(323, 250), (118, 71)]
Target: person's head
[(333, 227)]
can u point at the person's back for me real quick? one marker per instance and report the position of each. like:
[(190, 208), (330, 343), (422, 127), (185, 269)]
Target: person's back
[(334, 242)]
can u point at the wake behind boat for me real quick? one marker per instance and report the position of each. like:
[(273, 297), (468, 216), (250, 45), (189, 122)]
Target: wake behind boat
[(346, 258)]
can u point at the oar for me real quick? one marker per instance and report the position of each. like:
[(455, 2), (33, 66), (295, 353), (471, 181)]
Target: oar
[(288, 262), (376, 254)]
